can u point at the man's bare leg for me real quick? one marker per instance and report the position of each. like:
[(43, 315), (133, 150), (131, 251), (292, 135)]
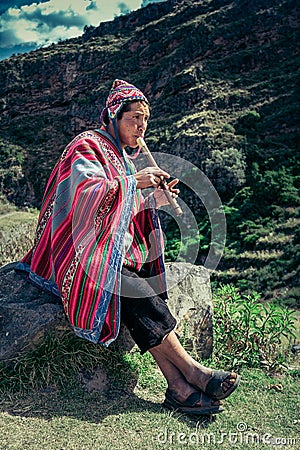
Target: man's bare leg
[(193, 372), (177, 384)]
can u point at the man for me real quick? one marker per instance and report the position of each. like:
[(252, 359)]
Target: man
[(98, 246)]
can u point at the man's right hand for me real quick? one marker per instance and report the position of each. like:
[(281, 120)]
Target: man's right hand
[(150, 177)]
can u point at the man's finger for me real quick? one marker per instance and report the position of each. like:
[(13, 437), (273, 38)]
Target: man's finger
[(173, 182)]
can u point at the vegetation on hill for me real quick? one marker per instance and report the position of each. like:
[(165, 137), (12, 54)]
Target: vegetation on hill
[(222, 78)]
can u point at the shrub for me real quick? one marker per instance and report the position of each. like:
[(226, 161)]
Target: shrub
[(247, 122), (248, 332), (226, 169)]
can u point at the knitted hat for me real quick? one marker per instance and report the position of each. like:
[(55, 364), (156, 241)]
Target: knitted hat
[(120, 93)]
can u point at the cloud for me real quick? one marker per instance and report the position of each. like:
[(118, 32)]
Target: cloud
[(53, 19), (147, 2), (35, 24), (92, 6), (123, 8), (8, 38), (4, 5)]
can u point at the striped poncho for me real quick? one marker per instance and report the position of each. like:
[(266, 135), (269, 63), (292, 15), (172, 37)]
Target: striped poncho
[(92, 221)]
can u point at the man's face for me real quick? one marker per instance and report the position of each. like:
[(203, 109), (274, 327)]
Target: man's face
[(133, 124)]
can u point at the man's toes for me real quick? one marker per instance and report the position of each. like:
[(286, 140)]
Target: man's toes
[(216, 403), (228, 382)]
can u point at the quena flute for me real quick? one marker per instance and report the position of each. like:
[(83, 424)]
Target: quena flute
[(143, 146)]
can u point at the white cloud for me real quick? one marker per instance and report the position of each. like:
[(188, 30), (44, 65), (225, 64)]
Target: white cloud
[(43, 23)]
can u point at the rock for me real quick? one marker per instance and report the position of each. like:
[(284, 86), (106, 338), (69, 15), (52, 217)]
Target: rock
[(295, 348), (190, 301), (96, 381), (28, 312)]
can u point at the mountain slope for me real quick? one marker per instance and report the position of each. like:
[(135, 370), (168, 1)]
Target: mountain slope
[(222, 78)]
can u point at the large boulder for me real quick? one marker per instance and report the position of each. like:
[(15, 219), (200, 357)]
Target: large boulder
[(190, 301), (28, 312)]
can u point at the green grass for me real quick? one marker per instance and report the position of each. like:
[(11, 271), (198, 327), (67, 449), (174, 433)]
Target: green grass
[(70, 418), (15, 218), (17, 230), (45, 404)]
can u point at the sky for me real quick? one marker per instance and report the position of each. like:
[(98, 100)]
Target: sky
[(26, 25)]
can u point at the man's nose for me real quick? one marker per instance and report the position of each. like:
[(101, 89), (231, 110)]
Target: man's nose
[(143, 124)]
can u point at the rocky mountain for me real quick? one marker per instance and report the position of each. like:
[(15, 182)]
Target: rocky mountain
[(222, 77)]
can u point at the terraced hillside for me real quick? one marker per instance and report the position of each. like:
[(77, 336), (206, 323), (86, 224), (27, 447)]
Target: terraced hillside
[(222, 77)]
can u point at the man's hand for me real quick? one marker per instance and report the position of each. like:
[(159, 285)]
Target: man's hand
[(150, 177), (159, 195)]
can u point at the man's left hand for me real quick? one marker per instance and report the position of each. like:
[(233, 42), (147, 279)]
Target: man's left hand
[(159, 195)]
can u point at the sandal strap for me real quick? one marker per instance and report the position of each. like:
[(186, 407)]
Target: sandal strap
[(192, 400), (214, 385)]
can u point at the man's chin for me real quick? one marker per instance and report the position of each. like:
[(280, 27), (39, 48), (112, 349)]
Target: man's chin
[(131, 148), (135, 145)]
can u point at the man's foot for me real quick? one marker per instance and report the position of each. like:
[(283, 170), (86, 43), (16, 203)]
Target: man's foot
[(197, 403), (218, 384), (183, 390)]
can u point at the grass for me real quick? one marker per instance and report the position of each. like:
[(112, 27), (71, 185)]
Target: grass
[(55, 409), (70, 418), (46, 404), (16, 218), (16, 234)]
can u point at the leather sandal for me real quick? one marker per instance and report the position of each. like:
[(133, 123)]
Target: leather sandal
[(189, 406), (214, 386)]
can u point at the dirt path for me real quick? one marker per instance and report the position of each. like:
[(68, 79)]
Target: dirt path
[(9, 214)]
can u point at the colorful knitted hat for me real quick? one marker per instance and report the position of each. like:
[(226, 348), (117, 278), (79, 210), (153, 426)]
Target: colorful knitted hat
[(120, 93)]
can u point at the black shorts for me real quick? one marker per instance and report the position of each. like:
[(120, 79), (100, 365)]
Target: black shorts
[(145, 314)]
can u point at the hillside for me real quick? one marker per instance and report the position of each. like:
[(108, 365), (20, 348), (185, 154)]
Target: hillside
[(222, 77)]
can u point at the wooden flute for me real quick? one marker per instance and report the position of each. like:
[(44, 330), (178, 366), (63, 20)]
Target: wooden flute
[(173, 202)]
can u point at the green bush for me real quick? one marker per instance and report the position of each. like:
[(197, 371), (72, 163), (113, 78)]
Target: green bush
[(226, 169), (247, 332), (247, 121)]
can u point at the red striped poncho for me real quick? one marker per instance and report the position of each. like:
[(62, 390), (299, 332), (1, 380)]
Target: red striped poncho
[(90, 208)]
